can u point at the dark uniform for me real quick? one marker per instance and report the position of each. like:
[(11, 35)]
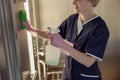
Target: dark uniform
[(91, 40)]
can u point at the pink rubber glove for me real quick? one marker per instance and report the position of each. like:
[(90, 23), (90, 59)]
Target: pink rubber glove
[(29, 26), (59, 42), (63, 51)]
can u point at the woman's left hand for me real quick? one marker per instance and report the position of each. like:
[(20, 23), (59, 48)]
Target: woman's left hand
[(56, 40), (59, 42)]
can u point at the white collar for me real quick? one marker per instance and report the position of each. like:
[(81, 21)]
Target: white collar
[(90, 20)]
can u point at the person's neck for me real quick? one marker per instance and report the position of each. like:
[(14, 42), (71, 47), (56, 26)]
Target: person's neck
[(87, 16)]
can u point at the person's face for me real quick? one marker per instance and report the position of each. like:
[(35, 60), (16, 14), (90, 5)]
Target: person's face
[(81, 5)]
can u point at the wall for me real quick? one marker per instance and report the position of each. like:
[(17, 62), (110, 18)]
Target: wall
[(110, 65), (53, 12)]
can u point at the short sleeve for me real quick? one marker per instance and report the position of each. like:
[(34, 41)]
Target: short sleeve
[(97, 43), (63, 28)]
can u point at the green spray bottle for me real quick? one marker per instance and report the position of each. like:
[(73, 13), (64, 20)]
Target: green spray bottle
[(23, 18)]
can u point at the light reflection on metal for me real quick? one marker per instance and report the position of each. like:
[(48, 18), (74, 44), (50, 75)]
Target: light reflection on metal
[(30, 45)]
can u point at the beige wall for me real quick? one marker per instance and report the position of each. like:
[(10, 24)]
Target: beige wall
[(110, 65), (53, 12)]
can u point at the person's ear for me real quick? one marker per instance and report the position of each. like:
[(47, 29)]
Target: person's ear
[(90, 3)]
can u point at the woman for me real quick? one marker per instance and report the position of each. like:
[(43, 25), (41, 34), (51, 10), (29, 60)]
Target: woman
[(89, 35)]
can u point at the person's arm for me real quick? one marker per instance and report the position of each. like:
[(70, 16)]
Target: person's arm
[(57, 41), (94, 49), (37, 31), (82, 58)]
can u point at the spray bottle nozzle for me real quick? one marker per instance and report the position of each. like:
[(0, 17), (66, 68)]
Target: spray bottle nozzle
[(53, 30)]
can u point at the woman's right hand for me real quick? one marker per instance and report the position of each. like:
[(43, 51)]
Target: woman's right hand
[(27, 25), (36, 31)]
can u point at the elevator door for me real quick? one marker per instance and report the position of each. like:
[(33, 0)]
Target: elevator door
[(9, 49), (3, 64)]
